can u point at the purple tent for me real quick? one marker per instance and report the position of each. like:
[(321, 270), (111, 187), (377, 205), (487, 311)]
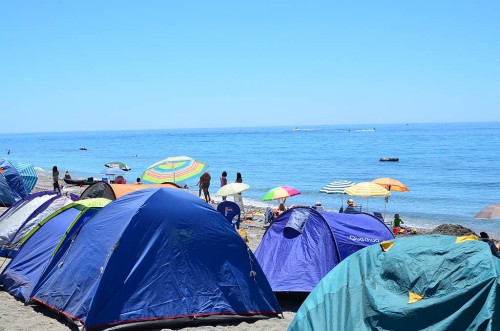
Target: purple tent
[(302, 245)]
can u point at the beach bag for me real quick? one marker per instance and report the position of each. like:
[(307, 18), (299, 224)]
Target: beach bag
[(243, 234)]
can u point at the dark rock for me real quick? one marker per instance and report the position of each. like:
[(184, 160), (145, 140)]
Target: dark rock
[(453, 230)]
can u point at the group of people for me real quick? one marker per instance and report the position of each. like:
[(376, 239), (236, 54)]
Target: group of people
[(204, 183)]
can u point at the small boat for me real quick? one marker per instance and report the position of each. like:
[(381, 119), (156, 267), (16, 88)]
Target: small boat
[(83, 148), (389, 159), (80, 182)]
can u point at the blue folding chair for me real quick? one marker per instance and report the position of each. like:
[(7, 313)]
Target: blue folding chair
[(230, 210)]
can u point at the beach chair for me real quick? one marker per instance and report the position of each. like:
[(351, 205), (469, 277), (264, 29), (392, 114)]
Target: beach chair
[(319, 208), (231, 212), (379, 215), (353, 209)]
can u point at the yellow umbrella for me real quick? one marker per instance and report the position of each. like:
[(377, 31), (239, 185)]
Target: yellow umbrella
[(391, 184), (367, 189)]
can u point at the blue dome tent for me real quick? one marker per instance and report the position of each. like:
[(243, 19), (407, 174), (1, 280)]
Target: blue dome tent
[(24, 270), (17, 221), (11, 184), (156, 257), (302, 245)]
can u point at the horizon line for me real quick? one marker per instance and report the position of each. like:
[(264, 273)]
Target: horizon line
[(248, 127)]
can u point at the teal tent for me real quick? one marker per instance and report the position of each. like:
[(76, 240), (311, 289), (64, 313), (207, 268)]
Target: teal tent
[(415, 283)]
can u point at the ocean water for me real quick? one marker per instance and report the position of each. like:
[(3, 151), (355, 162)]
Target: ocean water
[(452, 170)]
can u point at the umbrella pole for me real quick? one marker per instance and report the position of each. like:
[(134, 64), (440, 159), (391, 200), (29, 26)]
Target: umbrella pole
[(385, 209)]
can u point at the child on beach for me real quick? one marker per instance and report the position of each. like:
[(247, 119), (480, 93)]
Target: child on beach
[(396, 225)]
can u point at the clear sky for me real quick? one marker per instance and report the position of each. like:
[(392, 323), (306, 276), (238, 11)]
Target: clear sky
[(99, 65)]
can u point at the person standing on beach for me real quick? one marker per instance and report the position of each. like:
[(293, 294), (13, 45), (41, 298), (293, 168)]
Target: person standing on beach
[(238, 199), (223, 182), (55, 179), (205, 184)]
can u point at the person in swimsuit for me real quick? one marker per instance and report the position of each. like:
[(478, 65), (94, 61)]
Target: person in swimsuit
[(205, 184)]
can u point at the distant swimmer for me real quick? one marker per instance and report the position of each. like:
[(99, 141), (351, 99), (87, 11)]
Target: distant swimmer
[(8, 151)]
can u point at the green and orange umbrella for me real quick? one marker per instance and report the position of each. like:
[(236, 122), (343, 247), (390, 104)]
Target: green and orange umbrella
[(117, 164)]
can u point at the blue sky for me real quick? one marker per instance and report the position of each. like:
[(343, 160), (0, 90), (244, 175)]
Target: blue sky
[(180, 64)]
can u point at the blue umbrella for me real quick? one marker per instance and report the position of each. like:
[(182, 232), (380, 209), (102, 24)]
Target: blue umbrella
[(113, 171)]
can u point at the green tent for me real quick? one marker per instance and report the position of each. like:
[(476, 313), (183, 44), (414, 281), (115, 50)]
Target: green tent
[(415, 283)]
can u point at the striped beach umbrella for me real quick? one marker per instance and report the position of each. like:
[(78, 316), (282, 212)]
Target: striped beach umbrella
[(173, 169), (336, 187), (366, 190), (28, 175)]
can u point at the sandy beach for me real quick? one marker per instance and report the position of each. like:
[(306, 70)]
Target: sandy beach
[(17, 316)]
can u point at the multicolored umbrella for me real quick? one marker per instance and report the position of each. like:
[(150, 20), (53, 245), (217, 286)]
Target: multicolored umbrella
[(489, 212), (231, 189), (280, 192), (119, 165), (391, 184), (173, 169)]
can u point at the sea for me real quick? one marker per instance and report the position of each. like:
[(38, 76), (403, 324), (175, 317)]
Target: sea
[(452, 170)]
